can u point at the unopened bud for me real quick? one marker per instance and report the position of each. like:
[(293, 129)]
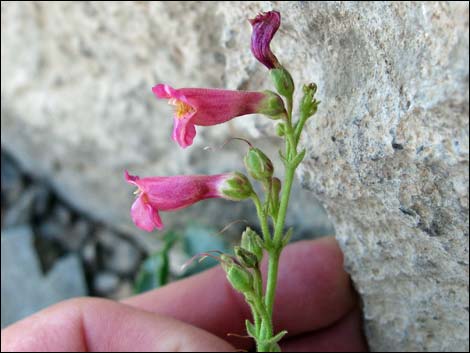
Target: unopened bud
[(252, 242), (246, 258), (283, 81), (240, 278), (258, 165)]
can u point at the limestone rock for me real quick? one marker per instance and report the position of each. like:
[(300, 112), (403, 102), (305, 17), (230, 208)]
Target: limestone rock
[(387, 152)]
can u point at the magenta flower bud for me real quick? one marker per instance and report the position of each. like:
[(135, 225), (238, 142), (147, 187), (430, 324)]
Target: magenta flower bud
[(172, 193), (265, 25), (206, 107)]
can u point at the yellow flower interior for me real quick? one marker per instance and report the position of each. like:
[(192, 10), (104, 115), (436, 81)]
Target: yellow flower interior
[(181, 108)]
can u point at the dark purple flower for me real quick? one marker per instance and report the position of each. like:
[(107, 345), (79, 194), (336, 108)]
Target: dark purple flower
[(265, 25)]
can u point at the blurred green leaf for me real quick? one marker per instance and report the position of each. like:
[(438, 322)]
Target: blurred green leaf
[(155, 270)]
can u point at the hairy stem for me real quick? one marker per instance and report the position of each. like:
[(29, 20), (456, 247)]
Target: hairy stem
[(258, 286), (263, 219), (275, 250)]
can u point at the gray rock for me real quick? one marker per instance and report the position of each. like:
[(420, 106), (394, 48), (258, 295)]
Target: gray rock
[(21, 211), (12, 180), (119, 255), (51, 230), (58, 227), (88, 253), (42, 200), (105, 283), (61, 214), (387, 153), (79, 231), (24, 289)]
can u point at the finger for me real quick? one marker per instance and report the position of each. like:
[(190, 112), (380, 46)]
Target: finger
[(344, 336), (102, 325), (313, 292)]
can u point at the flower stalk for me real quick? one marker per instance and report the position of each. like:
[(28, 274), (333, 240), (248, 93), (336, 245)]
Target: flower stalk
[(207, 107)]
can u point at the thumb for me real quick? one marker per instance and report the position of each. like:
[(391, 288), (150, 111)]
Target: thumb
[(101, 325)]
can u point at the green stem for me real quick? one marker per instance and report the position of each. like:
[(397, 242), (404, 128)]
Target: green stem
[(299, 128), (263, 309), (258, 286), (289, 131), (273, 267), (275, 251), (263, 219), (266, 327), (274, 254), (281, 218)]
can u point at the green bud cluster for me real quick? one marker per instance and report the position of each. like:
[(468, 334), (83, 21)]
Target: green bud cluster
[(308, 104)]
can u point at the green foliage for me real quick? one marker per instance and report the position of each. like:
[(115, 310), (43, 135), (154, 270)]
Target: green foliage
[(155, 270), (195, 239)]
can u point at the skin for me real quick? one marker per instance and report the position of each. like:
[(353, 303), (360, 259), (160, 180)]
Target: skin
[(315, 302)]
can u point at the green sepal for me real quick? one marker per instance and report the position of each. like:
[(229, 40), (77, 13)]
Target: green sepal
[(272, 106), (250, 329), (246, 257), (287, 237), (283, 81), (237, 187)]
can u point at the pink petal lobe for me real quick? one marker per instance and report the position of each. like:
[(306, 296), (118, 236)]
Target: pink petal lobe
[(184, 132), (131, 179), (144, 216), (167, 92)]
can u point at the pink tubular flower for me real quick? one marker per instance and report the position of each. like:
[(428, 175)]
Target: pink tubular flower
[(176, 192), (205, 107), (265, 25)]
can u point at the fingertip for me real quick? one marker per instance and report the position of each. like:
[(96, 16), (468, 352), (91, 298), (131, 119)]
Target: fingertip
[(346, 335), (314, 289), (91, 324)]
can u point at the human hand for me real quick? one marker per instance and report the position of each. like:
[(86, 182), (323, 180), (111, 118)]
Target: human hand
[(315, 303)]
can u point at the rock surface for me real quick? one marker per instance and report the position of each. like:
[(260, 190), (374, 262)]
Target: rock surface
[(25, 289), (67, 246), (387, 152)]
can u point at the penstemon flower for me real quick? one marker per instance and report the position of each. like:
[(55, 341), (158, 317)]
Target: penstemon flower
[(176, 192), (265, 25), (206, 107)]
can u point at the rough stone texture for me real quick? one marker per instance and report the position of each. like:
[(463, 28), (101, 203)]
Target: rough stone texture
[(25, 289), (387, 152)]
